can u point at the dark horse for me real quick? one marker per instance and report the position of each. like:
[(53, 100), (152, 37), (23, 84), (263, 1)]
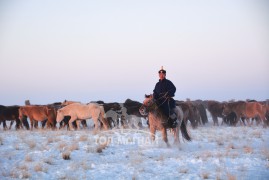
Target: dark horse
[(12, 113), (158, 121)]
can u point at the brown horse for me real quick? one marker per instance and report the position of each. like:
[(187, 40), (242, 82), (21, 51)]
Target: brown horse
[(158, 121), (39, 113), (244, 109), (215, 108)]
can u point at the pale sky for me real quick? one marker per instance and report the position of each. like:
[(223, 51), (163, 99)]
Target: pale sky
[(111, 50)]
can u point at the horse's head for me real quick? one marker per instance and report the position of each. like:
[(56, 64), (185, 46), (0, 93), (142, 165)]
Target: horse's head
[(147, 103), (21, 113), (60, 115), (226, 110)]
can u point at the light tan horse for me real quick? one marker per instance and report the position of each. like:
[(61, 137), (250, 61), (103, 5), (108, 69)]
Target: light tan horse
[(79, 111), (158, 121)]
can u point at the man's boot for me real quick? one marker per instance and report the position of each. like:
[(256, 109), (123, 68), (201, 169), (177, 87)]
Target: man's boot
[(172, 120)]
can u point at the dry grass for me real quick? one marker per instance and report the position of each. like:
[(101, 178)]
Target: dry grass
[(66, 155), (38, 168), (183, 171), (16, 146), (231, 177), (248, 150), (234, 155), (31, 144), (257, 134), (62, 146), (73, 147), (220, 141), (25, 175), (205, 175), (100, 148), (83, 138), (23, 167), (50, 140), (48, 161), (85, 166), (231, 146), (28, 158)]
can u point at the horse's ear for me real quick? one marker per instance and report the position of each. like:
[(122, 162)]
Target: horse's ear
[(147, 96)]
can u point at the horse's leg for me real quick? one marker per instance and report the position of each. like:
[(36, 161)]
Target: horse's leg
[(84, 123), (70, 123), (78, 124), (96, 124), (164, 134), (248, 120), (152, 133), (52, 123), (25, 122), (36, 124), (104, 121), (43, 123), (48, 124), (4, 125), (215, 120), (237, 119), (32, 123), (11, 123), (176, 134), (136, 122)]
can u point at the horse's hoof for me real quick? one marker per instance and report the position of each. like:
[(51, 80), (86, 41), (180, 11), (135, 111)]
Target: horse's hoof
[(176, 143), (168, 145)]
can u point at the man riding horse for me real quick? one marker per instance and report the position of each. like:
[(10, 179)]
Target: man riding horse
[(163, 94)]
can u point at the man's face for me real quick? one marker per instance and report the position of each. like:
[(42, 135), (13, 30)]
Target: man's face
[(161, 75)]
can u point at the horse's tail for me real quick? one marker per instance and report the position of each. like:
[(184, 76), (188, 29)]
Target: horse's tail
[(184, 131)]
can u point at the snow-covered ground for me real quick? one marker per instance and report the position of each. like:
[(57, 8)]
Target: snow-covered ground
[(214, 153)]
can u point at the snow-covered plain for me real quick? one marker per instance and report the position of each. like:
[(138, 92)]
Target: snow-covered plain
[(215, 152)]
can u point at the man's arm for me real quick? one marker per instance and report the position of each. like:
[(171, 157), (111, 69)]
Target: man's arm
[(171, 89)]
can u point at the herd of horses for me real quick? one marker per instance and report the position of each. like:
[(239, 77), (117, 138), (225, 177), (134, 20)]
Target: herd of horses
[(73, 115)]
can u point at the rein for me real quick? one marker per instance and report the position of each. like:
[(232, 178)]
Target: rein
[(165, 98)]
